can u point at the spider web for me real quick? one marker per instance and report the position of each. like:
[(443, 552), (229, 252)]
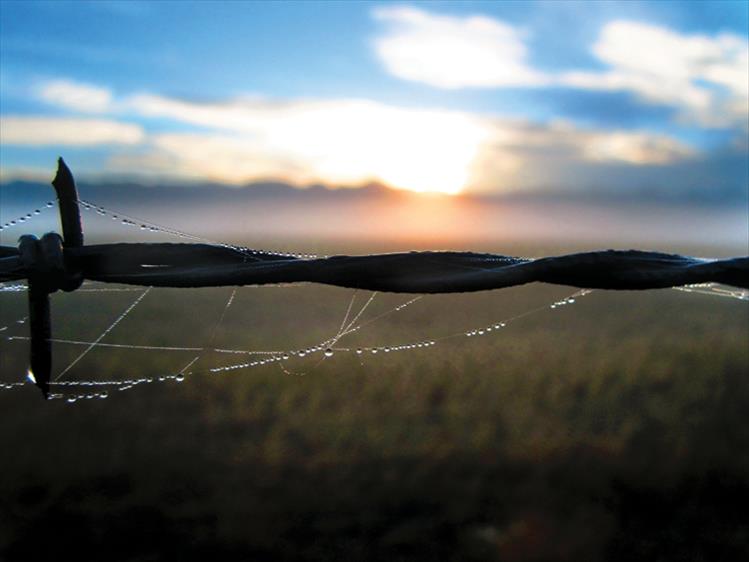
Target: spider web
[(211, 359)]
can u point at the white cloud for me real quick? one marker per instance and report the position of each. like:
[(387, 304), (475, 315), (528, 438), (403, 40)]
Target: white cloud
[(334, 141), (76, 96), (23, 173), (354, 141), (595, 145), (337, 142), (524, 155), (52, 131), (209, 156), (453, 52), (633, 148), (706, 78)]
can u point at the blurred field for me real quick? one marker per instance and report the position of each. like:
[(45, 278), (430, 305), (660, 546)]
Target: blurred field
[(611, 429)]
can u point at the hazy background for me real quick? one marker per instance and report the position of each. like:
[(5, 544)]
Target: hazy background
[(636, 123), (611, 429)]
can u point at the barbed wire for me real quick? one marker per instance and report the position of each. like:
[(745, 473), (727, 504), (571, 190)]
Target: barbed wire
[(64, 262)]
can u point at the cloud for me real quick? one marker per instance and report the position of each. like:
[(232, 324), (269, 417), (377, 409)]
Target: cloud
[(75, 96), (23, 173), (705, 78), (353, 141), (634, 148), (209, 156), (639, 148), (339, 142), (558, 155), (453, 52), (335, 141), (54, 131)]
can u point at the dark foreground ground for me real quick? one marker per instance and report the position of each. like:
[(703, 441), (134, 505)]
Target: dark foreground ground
[(611, 429)]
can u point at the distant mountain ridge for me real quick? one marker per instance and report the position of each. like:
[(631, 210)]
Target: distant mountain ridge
[(265, 214), (20, 192), (26, 193)]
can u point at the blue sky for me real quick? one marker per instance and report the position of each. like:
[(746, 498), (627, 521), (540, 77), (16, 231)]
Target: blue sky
[(438, 96)]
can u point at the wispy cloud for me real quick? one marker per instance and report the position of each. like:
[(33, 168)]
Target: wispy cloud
[(354, 141), (75, 96), (526, 155), (453, 52), (333, 141), (336, 141), (639, 148), (705, 78), (55, 131)]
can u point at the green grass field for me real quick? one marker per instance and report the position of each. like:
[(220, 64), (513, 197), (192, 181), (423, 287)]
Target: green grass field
[(611, 429)]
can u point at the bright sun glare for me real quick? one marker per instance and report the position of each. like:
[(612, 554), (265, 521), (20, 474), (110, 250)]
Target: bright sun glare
[(423, 151)]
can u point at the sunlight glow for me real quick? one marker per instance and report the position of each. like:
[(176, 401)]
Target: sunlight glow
[(344, 143), (340, 142), (423, 151)]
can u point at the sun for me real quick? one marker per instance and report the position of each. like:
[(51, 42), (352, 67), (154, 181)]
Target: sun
[(357, 141)]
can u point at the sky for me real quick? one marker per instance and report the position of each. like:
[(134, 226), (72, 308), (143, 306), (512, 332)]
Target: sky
[(483, 97)]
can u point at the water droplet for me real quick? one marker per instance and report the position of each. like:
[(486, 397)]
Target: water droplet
[(103, 395), (72, 398), (302, 354), (179, 378), (359, 351), (285, 356), (50, 204), (374, 350), (37, 212), (328, 352)]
